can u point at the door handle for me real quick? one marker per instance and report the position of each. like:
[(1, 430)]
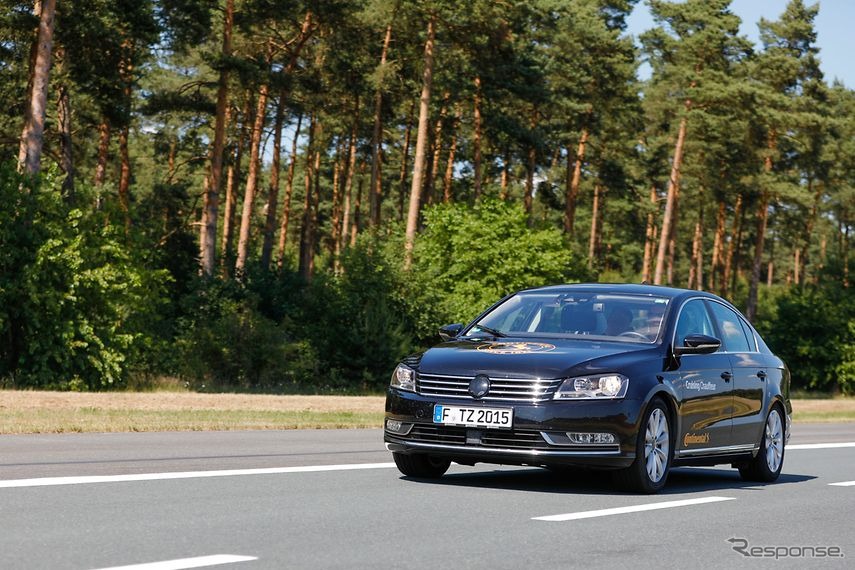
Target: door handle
[(761, 375), (726, 376)]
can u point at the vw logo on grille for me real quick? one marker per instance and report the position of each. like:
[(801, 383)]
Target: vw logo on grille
[(479, 386)]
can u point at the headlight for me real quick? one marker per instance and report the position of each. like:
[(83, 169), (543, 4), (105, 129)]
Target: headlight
[(404, 378), (606, 386)]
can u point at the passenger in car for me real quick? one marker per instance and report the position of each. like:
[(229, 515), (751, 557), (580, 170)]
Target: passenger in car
[(619, 321)]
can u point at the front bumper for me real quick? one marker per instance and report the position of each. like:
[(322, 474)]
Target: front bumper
[(538, 436)]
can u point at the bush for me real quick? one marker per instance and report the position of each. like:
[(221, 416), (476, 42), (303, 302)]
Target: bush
[(72, 298), (813, 331), (469, 257), (225, 343)]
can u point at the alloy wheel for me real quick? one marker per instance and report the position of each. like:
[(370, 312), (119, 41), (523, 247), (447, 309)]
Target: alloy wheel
[(656, 445)]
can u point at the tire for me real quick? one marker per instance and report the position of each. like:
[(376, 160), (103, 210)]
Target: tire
[(421, 466), (653, 453), (766, 466)]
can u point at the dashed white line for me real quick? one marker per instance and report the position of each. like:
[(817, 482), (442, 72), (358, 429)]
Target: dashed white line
[(632, 509), (821, 445), (843, 484), (91, 479), (185, 563)]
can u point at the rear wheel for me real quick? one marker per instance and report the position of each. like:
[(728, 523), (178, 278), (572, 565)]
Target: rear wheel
[(766, 466), (421, 466), (649, 471)]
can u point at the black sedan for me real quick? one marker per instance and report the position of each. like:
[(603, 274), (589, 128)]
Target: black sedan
[(630, 378)]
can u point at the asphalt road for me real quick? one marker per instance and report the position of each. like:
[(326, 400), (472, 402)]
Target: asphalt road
[(332, 499)]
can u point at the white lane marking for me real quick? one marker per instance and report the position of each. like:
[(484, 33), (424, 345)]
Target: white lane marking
[(184, 563), (844, 484), (633, 509), (86, 480), (820, 445)]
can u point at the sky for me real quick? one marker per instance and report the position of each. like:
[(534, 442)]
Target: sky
[(835, 27)]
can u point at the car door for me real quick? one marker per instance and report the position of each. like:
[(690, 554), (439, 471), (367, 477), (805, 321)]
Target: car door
[(749, 373), (706, 386)]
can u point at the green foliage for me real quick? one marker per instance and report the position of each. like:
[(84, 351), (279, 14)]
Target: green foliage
[(272, 333), (72, 298), (357, 320), (813, 331), (225, 343), (469, 257)]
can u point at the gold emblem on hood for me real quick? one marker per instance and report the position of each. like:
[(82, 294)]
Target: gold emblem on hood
[(516, 347)]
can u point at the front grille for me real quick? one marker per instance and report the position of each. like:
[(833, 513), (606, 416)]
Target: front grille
[(504, 439), (525, 389)]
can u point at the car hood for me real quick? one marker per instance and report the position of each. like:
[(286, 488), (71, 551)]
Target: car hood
[(523, 358)]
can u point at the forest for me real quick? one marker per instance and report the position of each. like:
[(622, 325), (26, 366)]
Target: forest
[(289, 195)]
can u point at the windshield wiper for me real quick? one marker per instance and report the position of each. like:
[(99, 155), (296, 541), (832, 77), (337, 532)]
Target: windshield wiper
[(494, 332)]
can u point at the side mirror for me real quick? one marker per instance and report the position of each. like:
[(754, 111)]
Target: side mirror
[(450, 332), (698, 344)]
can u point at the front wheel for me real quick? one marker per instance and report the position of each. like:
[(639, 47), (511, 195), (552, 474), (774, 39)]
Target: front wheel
[(766, 466), (421, 466), (649, 471)]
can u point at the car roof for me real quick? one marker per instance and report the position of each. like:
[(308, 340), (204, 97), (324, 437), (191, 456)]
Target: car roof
[(628, 288)]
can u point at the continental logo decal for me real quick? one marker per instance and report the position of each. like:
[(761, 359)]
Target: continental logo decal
[(516, 347), (696, 439)]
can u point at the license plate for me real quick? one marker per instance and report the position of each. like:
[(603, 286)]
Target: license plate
[(473, 417)]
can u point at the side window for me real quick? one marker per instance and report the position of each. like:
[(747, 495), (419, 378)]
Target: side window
[(694, 319), (729, 323), (749, 333)]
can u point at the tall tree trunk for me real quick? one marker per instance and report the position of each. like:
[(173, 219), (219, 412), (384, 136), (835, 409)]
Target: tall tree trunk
[(208, 254), (845, 255), (339, 166), (447, 195), (63, 115), (357, 208), (234, 180), (669, 217), (696, 270), (718, 247), (573, 180), (529, 180), (797, 262), (103, 152), (32, 135), (476, 139), (595, 220), (126, 74), (649, 237), (313, 222), (530, 167), (733, 244), (306, 253), (273, 191), (125, 174), (672, 246), (251, 179), (506, 174), (756, 266), (433, 171), (289, 192), (376, 196), (405, 155), (802, 260), (762, 220), (348, 184), (421, 145)]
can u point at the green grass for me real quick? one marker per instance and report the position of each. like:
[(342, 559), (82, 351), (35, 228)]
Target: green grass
[(111, 420)]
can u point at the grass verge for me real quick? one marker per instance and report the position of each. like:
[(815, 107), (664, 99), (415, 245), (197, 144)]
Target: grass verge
[(61, 412)]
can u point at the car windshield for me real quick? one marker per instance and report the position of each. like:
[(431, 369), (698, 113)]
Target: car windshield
[(591, 315)]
